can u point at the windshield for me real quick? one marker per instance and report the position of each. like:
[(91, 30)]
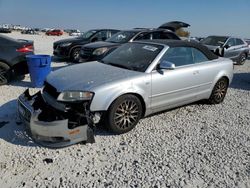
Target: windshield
[(122, 37), (88, 34), (133, 56), (214, 41)]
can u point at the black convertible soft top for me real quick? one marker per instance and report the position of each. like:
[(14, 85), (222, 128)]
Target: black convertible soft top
[(180, 43)]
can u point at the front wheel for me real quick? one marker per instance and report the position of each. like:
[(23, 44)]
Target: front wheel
[(124, 114), (75, 54), (242, 59), (219, 91), (4, 73)]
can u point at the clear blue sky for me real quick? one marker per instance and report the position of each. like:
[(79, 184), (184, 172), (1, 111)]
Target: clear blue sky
[(206, 17)]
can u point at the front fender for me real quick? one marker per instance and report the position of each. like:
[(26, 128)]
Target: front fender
[(105, 96)]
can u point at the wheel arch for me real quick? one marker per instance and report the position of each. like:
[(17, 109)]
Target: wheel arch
[(135, 94), (6, 62)]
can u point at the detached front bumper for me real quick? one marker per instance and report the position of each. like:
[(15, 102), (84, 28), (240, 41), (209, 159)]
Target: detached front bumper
[(54, 131)]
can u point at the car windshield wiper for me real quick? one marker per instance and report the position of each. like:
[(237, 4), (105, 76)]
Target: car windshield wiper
[(119, 65)]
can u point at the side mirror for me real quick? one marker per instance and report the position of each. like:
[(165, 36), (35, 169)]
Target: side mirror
[(227, 46), (166, 65)]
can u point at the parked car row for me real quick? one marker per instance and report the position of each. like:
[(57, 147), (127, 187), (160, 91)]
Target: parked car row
[(70, 48), (80, 50), (5, 30), (30, 32)]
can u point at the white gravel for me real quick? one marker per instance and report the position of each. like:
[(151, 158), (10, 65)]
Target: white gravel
[(198, 145)]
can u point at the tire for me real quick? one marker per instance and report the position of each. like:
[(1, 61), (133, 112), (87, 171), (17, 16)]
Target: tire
[(123, 114), (242, 59), (219, 91), (75, 54), (5, 73)]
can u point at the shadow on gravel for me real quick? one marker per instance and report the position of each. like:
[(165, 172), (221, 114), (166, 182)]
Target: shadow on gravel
[(59, 60), (241, 81), (20, 83), (10, 129)]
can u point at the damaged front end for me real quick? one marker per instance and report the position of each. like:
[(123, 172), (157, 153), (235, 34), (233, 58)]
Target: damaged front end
[(58, 124)]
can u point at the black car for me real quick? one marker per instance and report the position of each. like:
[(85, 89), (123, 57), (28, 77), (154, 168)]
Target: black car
[(13, 57), (30, 32), (98, 50), (5, 30), (70, 48)]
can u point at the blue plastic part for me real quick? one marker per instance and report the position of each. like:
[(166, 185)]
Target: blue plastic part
[(39, 67)]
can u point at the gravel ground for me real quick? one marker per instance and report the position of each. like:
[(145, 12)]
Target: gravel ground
[(198, 145)]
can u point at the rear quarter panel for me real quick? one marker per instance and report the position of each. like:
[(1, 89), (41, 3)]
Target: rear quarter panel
[(223, 67)]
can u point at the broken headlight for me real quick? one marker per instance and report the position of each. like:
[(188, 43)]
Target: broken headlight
[(73, 96)]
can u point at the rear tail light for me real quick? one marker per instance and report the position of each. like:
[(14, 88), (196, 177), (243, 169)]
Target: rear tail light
[(26, 48)]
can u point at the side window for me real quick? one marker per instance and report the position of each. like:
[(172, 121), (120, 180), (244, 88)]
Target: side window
[(199, 56), (231, 42), (164, 35), (144, 36), (180, 56), (102, 35), (239, 42), (113, 32)]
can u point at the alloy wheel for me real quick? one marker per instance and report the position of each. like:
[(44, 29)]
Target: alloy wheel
[(220, 90), (3, 75), (127, 114), (76, 54)]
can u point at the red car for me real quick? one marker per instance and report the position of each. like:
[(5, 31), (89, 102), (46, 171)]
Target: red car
[(56, 32)]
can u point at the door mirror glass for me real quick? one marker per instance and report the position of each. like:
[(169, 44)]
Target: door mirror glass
[(167, 65)]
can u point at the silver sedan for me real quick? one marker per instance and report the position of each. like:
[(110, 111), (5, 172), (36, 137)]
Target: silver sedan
[(134, 81)]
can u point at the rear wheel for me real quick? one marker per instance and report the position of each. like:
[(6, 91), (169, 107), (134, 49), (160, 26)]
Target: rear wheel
[(75, 54), (242, 59), (4, 73), (124, 114), (219, 91)]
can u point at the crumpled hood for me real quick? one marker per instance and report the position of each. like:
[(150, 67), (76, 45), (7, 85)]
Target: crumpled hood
[(101, 44), (86, 76)]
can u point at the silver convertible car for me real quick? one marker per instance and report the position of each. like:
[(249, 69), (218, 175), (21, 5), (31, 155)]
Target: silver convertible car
[(135, 80)]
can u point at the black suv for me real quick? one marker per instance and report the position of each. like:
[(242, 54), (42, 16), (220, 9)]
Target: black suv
[(98, 50), (70, 48)]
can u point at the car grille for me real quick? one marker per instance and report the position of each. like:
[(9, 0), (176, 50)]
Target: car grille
[(87, 51), (50, 90)]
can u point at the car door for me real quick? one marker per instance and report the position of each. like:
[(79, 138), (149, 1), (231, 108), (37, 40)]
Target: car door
[(230, 50), (175, 87), (240, 47)]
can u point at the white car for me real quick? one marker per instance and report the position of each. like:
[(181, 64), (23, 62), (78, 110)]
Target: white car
[(75, 34)]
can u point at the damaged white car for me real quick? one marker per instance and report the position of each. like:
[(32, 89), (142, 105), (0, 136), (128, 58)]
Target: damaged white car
[(135, 80)]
